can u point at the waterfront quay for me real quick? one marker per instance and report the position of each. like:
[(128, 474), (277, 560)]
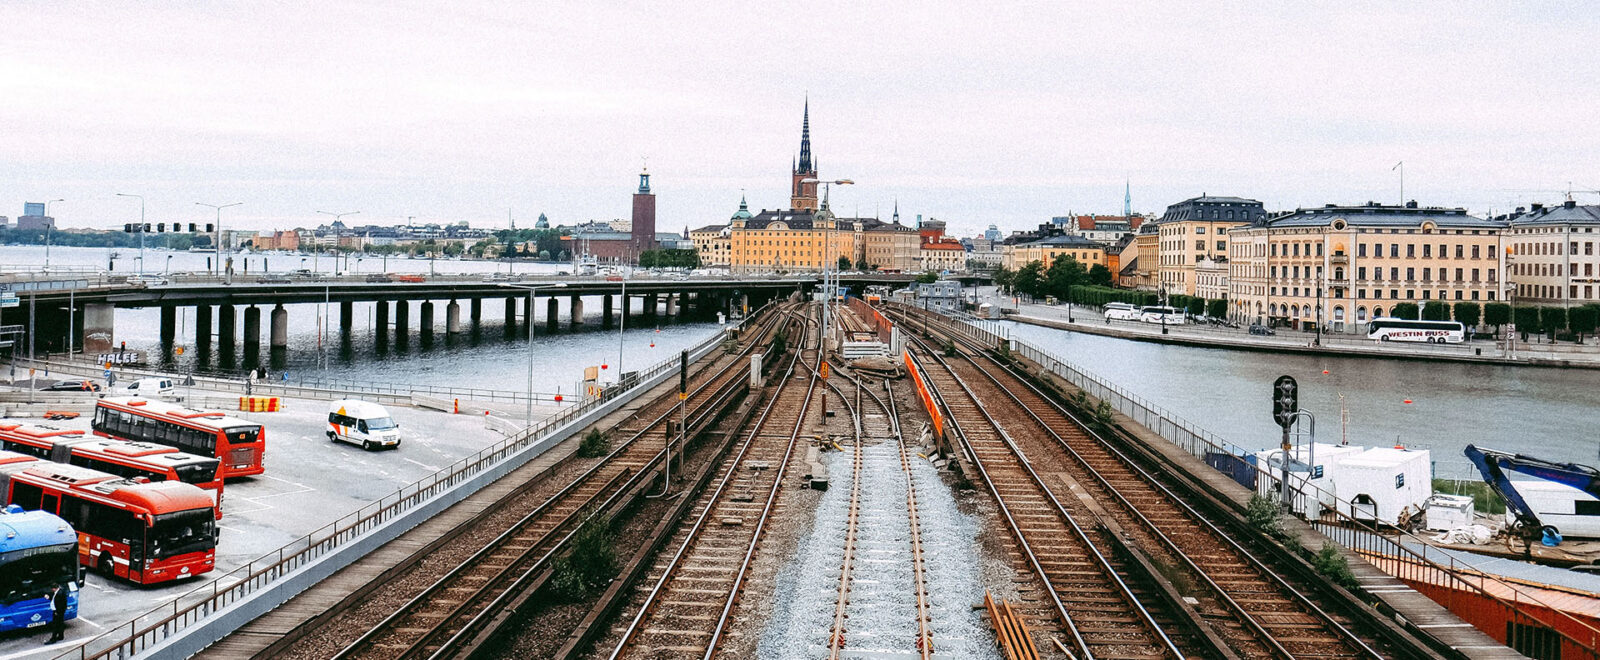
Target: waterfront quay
[(822, 506)]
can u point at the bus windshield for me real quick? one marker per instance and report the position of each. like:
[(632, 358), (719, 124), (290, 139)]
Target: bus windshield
[(199, 472), (182, 532), (33, 572)]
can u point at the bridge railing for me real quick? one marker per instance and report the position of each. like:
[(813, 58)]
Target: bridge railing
[(152, 627), (1431, 570)]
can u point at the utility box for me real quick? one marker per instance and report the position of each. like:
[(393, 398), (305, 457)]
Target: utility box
[(1447, 512), (755, 369)]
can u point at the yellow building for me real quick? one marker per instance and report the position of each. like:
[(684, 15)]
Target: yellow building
[(1046, 250), (891, 246), (793, 241), (714, 243), (1339, 267), (1196, 229)]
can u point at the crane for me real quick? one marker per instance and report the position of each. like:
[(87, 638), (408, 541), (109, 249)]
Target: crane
[(1493, 464)]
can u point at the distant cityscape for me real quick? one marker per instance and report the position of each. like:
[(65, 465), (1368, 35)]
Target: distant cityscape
[(1333, 267)]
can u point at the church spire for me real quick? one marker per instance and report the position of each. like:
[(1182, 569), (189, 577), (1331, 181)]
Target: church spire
[(1127, 199), (897, 210), (805, 140)]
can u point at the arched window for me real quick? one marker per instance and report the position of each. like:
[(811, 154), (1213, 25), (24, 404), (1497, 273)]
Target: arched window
[(1294, 311), (1338, 313), (1377, 312), (1361, 315)]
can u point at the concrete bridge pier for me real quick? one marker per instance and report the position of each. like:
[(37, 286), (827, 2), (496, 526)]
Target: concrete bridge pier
[(672, 305), (202, 329), (380, 321), (427, 321), (252, 335), (402, 322), (476, 313), (226, 332), (99, 319), (527, 316), (452, 318), (577, 311), (169, 326), (650, 305), (550, 312), (347, 318), (279, 335), (605, 311), (511, 317)]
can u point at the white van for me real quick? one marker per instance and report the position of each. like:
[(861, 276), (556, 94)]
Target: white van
[(1118, 311), (148, 387), (1162, 315), (362, 423), (1572, 512)]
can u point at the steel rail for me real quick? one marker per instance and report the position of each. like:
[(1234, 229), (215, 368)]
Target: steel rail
[(847, 563), (635, 626), (1161, 639), (1248, 619), (924, 633), (1251, 621), (371, 636)]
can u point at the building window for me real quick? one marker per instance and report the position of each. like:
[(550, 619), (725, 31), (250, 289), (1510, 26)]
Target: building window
[(1411, 274), (1475, 252), (1411, 250), (1427, 251), (1411, 294), (1394, 249), (1361, 293)]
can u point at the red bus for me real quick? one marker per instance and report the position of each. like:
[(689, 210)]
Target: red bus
[(141, 531), (238, 443), (119, 457)]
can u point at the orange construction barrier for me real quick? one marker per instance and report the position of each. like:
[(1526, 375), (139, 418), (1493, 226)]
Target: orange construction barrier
[(260, 404)]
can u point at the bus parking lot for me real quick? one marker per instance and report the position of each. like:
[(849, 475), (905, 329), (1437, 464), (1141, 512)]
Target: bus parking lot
[(309, 482)]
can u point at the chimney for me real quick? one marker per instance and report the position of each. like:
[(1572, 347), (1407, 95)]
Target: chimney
[(1411, 204), (1569, 204), (1537, 207)]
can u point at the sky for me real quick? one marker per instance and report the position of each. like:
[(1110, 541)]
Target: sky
[(973, 113)]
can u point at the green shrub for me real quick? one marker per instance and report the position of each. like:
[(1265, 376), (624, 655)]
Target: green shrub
[(1263, 514), (591, 563), (1330, 562), (949, 349), (594, 444), (1104, 414)]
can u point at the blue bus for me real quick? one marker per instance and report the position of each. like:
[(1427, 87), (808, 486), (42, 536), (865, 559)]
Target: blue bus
[(38, 552)]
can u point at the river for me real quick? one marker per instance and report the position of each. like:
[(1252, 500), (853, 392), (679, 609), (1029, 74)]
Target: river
[(1542, 412)]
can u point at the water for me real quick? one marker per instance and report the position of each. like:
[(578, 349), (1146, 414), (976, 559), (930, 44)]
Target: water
[(486, 360), (1538, 411), (163, 260)]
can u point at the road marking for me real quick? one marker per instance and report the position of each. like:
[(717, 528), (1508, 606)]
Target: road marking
[(425, 465), (236, 531)]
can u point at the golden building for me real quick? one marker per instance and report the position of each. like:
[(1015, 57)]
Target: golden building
[(1339, 267), (1196, 229), (793, 241), (1046, 250)]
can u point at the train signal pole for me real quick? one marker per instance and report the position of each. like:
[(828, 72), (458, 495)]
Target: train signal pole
[(1285, 403)]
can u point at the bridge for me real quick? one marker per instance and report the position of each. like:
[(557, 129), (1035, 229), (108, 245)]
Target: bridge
[(80, 307)]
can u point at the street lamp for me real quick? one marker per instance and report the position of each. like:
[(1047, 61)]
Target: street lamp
[(829, 288), (531, 289), (217, 238), (139, 229), (49, 224), (336, 218)]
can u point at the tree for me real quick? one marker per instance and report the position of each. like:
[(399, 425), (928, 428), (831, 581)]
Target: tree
[(1497, 314), (1217, 308), (1468, 313), (1064, 273), (927, 278), (1436, 310), (453, 249), (844, 262), (1196, 306), (1004, 278), (1527, 319), (1099, 275), (1404, 311), (1553, 320), (1583, 320), (544, 255), (1029, 279)]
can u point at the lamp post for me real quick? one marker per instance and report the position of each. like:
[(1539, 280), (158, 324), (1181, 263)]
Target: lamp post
[(528, 422), (49, 224), (140, 229), (336, 218), (829, 286), (217, 237)]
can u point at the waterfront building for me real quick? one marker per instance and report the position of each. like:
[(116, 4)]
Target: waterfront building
[(1211, 278), (1551, 254), (891, 246), (1106, 229), (793, 240), (618, 241), (1046, 250), (714, 243), (1196, 229), (1339, 266)]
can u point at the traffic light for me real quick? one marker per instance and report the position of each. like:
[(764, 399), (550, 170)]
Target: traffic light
[(146, 227), (683, 375), (210, 228), (191, 228), (161, 227), (127, 228), (1285, 400)]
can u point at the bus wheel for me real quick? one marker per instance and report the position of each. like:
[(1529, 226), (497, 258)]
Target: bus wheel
[(105, 566), (1384, 338), (366, 444)]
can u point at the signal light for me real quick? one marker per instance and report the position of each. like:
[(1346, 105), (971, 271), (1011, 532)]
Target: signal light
[(127, 228), (161, 227), (210, 228), (191, 228), (147, 227)]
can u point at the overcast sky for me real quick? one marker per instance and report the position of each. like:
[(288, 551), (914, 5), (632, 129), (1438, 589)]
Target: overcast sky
[(975, 113)]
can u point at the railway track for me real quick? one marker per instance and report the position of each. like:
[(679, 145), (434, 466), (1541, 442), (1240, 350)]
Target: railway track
[(1260, 614), (883, 528), (686, 611), (1103, 613), (460, 611)]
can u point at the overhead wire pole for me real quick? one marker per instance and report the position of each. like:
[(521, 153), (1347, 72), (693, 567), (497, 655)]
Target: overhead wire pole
[(217, 234), (528, 421), (826, 254), (49, 224), (140, 229)]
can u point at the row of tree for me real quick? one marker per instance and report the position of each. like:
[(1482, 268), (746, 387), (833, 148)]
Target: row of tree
[(1556, 322), (1038, 280), (669, 259)]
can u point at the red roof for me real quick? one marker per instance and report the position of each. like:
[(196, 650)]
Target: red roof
[(948, 245)]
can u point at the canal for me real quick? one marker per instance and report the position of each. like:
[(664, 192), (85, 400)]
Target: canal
[(1543, 412)]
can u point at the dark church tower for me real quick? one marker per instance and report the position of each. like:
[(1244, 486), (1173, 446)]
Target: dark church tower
[(804, 195), (644, 217)]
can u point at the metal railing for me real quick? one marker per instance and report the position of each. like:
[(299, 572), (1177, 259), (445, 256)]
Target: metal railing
[(150, 628), (1400, 554)]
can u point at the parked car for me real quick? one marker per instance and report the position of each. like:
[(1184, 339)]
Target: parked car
[(1258, 329), (413, 279), (147, 387), (73, 386), (379, 277), (149, 280)]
